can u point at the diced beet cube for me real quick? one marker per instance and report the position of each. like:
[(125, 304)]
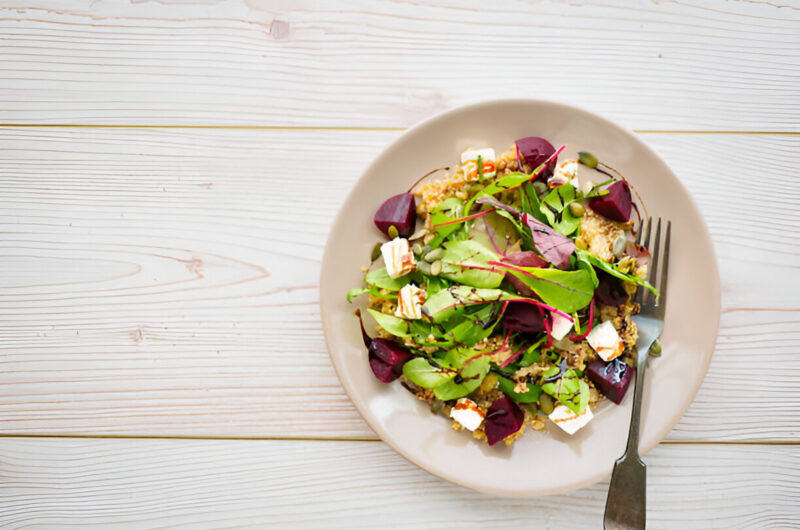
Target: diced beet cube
[(610, 291), (524, 318), (398, 211), (503, 419), (525, 258), (611, 379), (617, 204), (534, 152), (386, 358)]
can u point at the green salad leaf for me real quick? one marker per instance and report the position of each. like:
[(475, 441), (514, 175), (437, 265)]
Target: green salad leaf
[(470, 328), (394, 325), (568, 291), (447, 210), (555, 207), (421, 372), (355, 293), (507, 387), (530, 202), (380, 278), (358, 291), (570, 390), (495, 231), (444, 304), (612, 269), (468, 379), (465, 262)]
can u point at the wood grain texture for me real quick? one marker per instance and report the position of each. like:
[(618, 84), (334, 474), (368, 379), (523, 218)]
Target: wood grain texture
[(163, 282), (272, 484), (660, 65)]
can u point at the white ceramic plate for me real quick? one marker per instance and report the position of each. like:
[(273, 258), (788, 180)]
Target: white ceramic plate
[(537, 463)]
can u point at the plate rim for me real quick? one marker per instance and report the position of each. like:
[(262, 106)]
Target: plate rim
[(362, 408)]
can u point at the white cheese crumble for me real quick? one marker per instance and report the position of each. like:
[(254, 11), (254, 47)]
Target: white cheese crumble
[(566, 172), (398, 257), (605, 341), (409, 302), (467, 413), (469, 162), (568, 420), (561, 326)]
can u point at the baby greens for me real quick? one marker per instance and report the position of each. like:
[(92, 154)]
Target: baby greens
[(505, 287)]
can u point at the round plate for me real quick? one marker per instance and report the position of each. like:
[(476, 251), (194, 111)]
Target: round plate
[(537, 463)]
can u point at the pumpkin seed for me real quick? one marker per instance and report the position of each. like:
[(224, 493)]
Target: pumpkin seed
[(436, 268), (418, 234), (546, 403), (489, 382), (531, 409), (576, 209), (540, 187), (587, 159), (376, 251), (655, 349), (416, 248), (392, 232), (433, 255), (424, 267)]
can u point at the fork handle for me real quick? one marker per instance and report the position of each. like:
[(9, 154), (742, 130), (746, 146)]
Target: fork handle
[(626, 505), (632, 447)]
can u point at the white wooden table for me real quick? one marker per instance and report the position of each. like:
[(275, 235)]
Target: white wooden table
[(168, 171)]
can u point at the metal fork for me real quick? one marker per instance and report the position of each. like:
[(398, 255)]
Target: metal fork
[(627, 494)]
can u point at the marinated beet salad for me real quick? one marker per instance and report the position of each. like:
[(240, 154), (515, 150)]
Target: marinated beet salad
[(502, 295)]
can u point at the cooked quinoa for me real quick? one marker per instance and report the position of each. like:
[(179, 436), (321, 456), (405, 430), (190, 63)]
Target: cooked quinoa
[(513, 370)]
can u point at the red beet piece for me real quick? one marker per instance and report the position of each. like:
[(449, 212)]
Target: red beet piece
[(610, 291), (616, 205), (611, 379), (399, 211), (386, 359), (526, 258), (524, 318), (503, 419), (535, 151)]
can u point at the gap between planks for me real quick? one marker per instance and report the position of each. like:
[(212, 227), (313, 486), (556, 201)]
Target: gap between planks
[(337, 128), (338, 439)]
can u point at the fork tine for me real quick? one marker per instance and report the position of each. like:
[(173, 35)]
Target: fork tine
[(645, 224), (640, 293), (663, 287), (652, 274)]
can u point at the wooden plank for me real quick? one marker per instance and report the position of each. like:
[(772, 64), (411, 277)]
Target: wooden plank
[(202, 484), (163, 282), (666, 65)]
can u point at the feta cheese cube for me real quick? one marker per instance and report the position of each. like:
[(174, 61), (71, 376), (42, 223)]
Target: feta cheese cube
[(564, 173), (467, 413), (469, 162), (409, 302), (605, 341), (561, 326), (398, 257), (568, 420)]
